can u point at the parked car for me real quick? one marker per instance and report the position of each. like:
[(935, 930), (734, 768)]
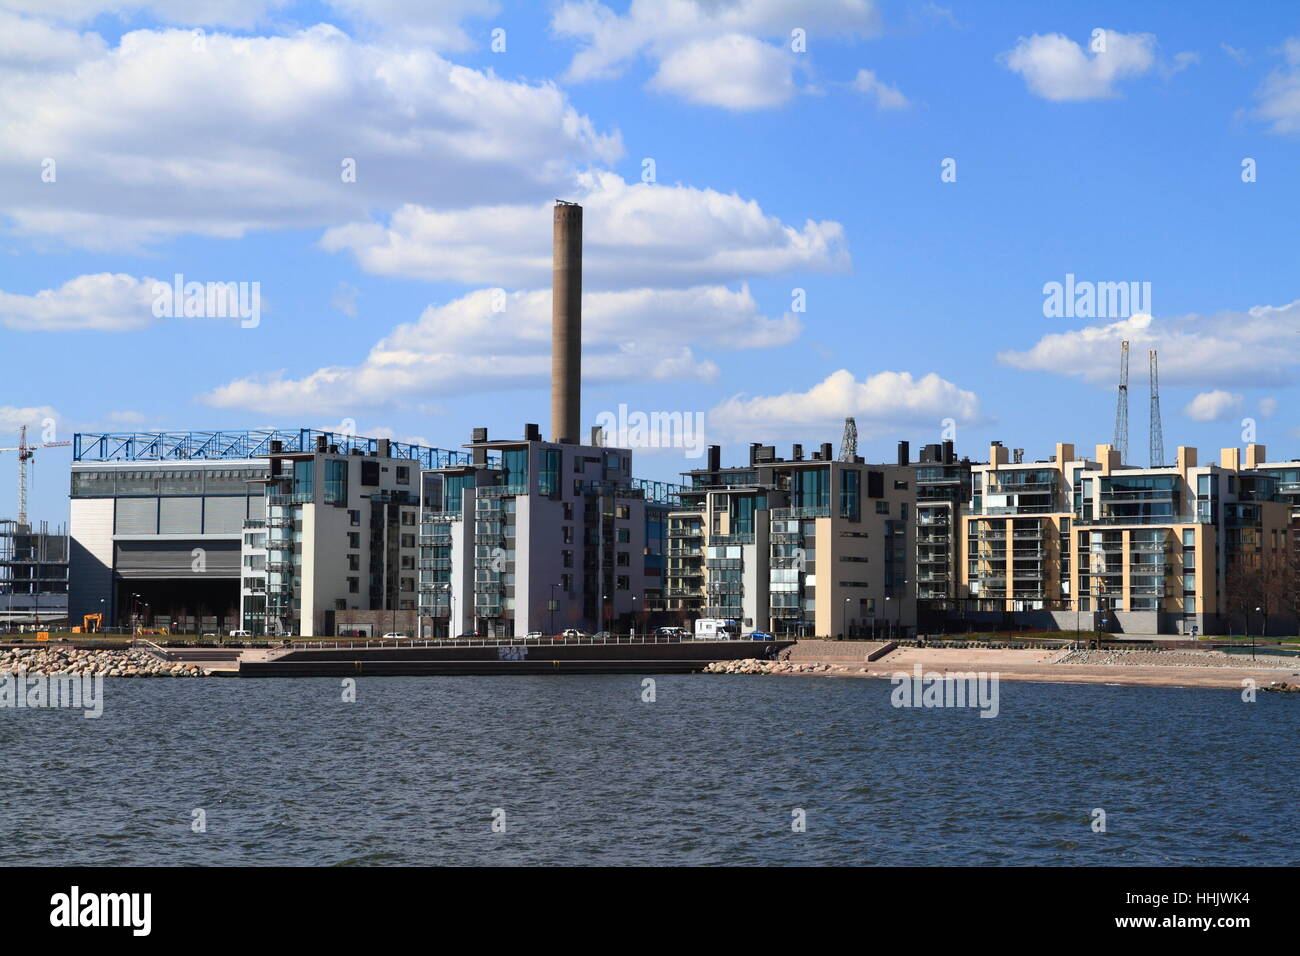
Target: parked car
[(533, 636), (601, 636), (762, 636), (396, 636), (469, 636), (571, 632), (671, 632), (239, 633)]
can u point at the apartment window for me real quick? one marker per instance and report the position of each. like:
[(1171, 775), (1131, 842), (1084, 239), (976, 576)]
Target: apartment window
[(303, 477), (622, 582), (566, 583), (408, 562), (354, 585), (408, 584), (882, 507), (622, 535), (403, 474), (568, 511), (407, 541), (622, 512), (336, 482), (567, 558), (623, 559), (850, 494), (354, 518), (354, 539), (549, 480), (567, 533), (408, 518), (354, 562)]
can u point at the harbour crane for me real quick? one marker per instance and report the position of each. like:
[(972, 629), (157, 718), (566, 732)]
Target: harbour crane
[(25, 453)]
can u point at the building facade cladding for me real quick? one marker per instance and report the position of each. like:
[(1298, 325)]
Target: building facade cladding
[(556, 536), (797, 547), (1148, 550)]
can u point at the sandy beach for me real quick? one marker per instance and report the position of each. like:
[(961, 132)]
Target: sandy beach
[(1211, 669)]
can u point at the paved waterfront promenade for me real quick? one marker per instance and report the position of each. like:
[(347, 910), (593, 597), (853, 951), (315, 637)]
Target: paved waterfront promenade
[(1212, 669)]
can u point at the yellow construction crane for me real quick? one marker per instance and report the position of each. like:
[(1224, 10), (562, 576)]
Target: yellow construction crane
[(26, 452)]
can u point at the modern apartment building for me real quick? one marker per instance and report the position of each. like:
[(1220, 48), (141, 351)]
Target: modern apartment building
[(1078, 542), (213, 531), (943, 490), (532, 535), (340, 539), (800, 546)]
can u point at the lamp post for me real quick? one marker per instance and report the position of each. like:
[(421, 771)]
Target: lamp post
[(844, 627), (889, 625), (633, 615), (552, 608), (1260, 612)]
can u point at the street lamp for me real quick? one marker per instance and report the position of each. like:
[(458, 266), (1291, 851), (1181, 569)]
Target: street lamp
[(844, 628), (889, 625), (633, 615), (552, 608), (1260, 612)]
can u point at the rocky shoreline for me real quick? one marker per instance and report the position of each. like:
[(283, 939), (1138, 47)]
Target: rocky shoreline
[(93, 663), (753, 665)]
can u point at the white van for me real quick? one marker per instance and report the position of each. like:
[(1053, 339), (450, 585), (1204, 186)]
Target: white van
[(716, 629)]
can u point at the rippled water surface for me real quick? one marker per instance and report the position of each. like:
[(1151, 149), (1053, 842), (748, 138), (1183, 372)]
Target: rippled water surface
[(585, 772)]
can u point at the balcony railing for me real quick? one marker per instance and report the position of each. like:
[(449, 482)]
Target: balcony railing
[(300, 498), (807, 511)]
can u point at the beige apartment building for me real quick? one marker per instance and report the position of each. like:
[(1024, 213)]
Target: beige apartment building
[(1090, 542), (800, 546)]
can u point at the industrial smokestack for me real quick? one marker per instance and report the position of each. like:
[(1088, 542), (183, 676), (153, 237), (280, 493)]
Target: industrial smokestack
[(566, 322)]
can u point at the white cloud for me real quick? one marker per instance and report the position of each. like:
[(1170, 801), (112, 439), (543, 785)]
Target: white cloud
[(734, 71), (736, 54), (103, 302), (1280, 93), (34, 45), (431, 24), (127, 417), (880, 404), (344, 299), (155, 137), (466, 346), (633, 235), (1212, 406), (436, 24), (228, 13), (887, 97), (1267, 407), (1255, 348), (1056, 68), (13, 417)]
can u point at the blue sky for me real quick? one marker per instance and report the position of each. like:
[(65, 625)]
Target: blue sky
[(217, 154)]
